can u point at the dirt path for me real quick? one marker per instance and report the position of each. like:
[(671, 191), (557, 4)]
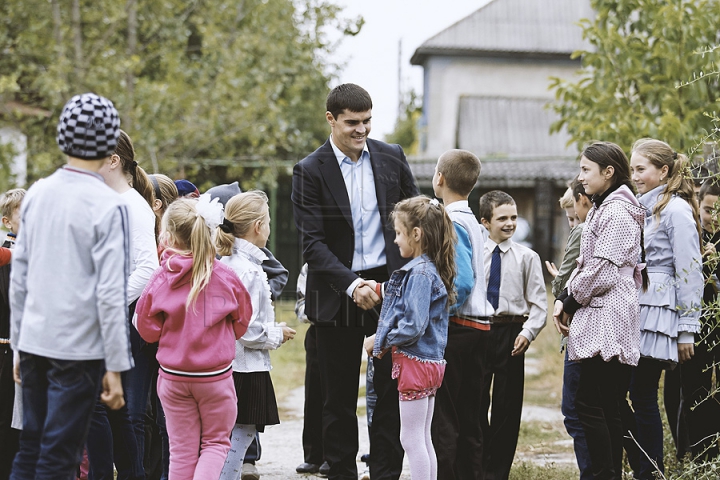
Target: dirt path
[(282, 444)]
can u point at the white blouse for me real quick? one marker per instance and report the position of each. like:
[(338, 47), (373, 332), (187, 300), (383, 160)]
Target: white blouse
[(144, 255), (251, 351)]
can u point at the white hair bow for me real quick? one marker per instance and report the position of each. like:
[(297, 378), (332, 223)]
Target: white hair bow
[(210, 210)]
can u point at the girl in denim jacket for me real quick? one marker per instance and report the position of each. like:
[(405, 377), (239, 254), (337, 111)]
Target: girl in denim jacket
[(414, 321)]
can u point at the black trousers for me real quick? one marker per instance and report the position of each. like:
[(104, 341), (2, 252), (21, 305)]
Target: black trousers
[(675, 411), (702, 410), (312, 418), (9, 437), (507, 376), (601, 394), (456, 427), (339, 351)]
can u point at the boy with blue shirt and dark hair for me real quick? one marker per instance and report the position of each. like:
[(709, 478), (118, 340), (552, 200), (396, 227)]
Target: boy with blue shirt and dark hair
[(68, 292), (456, 429)]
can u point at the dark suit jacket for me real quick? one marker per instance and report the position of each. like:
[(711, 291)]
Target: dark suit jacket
[(321, 207)]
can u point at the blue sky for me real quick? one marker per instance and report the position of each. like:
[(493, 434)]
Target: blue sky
[(371, 57)]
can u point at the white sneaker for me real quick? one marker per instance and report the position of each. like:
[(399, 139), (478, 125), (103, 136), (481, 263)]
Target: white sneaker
[(249, 472), (365, 475)]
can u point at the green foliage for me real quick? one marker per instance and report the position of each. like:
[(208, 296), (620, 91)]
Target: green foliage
[(230, 80), (405, 133), (641, 52), (7, 153)]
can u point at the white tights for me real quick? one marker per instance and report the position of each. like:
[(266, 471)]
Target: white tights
[(242, 437), (415, 420)]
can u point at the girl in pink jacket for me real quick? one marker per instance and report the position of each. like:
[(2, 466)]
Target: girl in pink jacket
[(196, 308), (602, 300)]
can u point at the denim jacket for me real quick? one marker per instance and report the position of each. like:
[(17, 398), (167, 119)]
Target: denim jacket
[(414, 315)]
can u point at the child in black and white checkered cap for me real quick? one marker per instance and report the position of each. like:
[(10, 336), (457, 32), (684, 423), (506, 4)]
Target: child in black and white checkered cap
[(68, 294)]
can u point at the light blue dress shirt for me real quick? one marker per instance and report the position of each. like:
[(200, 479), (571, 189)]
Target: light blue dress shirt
[(369, 249)]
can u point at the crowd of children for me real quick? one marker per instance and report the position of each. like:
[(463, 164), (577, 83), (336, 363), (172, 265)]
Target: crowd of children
[(159, 299)]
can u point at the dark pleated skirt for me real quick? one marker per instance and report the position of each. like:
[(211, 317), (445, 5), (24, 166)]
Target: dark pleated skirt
[(255, 399)]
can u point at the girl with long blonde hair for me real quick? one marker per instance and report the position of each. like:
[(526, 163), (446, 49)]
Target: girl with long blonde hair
[(196, 333)]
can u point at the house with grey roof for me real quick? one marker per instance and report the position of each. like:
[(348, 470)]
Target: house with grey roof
[(486, 89)]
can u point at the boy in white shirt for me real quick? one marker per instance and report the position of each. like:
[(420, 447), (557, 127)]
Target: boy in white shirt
[(516, 290)]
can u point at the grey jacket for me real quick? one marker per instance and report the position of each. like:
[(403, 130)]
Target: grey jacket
[(68, 285)]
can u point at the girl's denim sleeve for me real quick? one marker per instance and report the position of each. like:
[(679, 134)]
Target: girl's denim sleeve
[(412, 322)]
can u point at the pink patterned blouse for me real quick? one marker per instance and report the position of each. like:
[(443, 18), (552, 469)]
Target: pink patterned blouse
[(605, 282)]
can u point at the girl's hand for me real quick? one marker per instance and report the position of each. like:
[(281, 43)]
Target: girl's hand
[(288, 333), (383, 352), (551, 268), (560, 319), (685, 351), (709, 249), (369, 344)]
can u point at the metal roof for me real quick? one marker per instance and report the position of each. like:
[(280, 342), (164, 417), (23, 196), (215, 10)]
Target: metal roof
[(508, 172), (509, 126), (542, 28)]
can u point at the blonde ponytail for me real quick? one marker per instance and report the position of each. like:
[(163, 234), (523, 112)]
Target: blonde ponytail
[(189, 235), (679, 183), (242, 212)]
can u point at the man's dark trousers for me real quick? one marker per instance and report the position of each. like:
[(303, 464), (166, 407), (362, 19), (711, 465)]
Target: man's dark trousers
[(456, 427), (312, 418), (340, 345)]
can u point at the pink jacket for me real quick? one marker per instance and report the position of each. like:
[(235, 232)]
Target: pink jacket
[(605, 282), (197, 343)]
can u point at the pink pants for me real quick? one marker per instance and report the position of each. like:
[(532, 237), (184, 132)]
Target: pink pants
[(199, 417)]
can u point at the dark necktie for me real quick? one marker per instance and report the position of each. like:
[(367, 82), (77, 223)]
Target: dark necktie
[(493, 290)]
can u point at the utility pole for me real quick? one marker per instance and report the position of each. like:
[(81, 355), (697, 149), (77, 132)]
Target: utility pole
[(400, 93)]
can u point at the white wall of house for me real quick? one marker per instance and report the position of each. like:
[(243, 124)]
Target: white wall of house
[(18, 140), (448, 78)]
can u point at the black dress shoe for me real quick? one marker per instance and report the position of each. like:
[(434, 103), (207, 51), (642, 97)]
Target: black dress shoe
[(308, 468), (324, 468)]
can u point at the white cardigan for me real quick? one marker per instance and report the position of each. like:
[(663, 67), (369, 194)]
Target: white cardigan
[(251, 351)]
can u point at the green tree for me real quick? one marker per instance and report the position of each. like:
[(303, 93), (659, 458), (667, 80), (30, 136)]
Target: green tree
[(646, 74), (203, 86), (405, 133)]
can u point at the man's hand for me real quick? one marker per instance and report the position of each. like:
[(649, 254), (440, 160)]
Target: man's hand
[(369, 344), (551, 268), (561, 319), (685, 351), (365, 296), (112, 391), (288, 333), (521, 345)]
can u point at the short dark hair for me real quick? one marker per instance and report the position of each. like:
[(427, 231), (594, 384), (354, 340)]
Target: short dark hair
[(578, 189), (710, 187), (348, 96), (461, 170), (490, 201)]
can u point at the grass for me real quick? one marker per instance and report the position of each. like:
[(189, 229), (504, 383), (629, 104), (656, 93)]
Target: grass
[(550, 471), (288, 361)]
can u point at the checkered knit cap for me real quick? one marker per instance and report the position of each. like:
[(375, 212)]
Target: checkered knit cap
[(89, 127)]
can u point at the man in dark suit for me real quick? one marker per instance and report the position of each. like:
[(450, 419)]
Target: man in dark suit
[(342, 196)]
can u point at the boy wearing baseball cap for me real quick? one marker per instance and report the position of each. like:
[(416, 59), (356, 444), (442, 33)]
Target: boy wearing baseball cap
[(68, 295)]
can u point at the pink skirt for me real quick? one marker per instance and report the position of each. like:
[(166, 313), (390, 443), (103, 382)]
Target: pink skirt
[(416, 379)]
